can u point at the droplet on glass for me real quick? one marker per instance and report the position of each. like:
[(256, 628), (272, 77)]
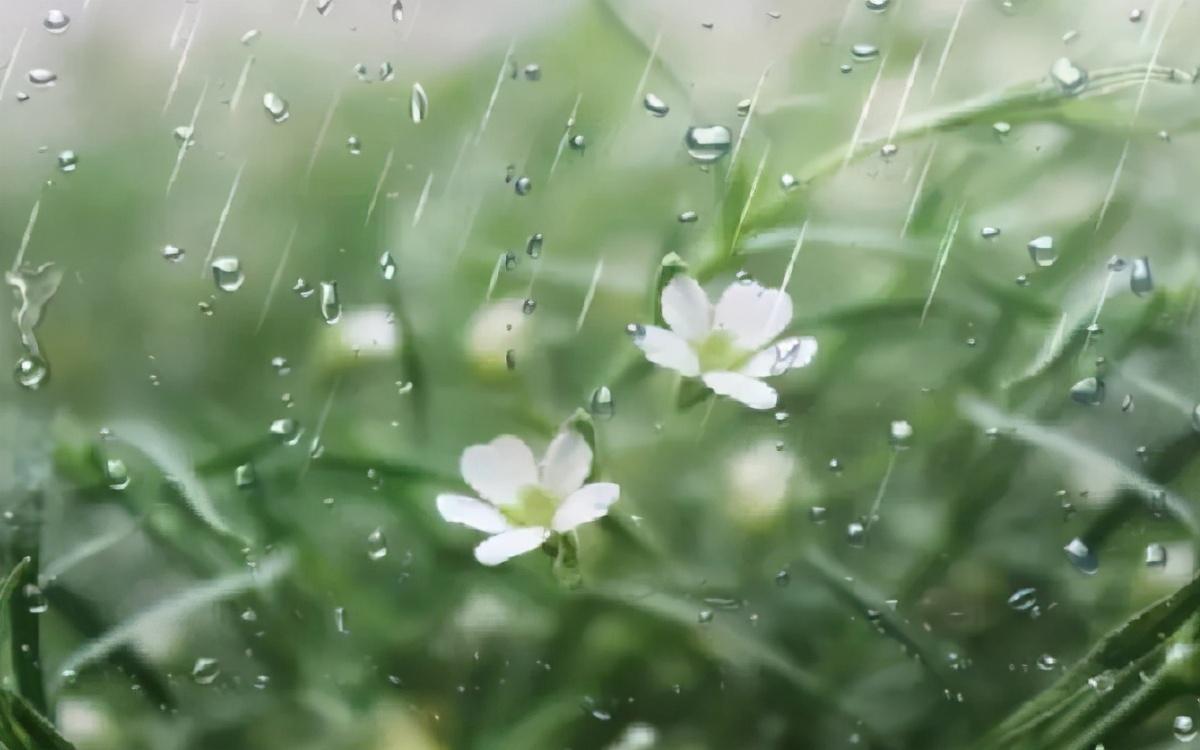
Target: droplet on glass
[(601, 404), (856, 534), (788, 181), (276, 107), (354, 145), (1156, 555), (1081, 557), (533, 72), (116, 475), (386, 72), (68, 161), (173, 253), (1041, 250), (1023, 600), (533, 246), (688, 217), (377, 548), (418, 104), (244, 476), (387, 265), (1140, 280), (331, 306), (42, 77), (707, 143), (56, 22), (900, 433), (286, 430), (324, 6), (878, 5), (397, 11), (864, 51), (1184, 728), (1090, 391), (655, 105), (1070, 78), (523, 185), (227, 273), (206, 670), (31, 372)]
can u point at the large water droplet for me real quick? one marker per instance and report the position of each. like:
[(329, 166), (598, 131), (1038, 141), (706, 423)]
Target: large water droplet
[(397, 11), (418, 103), (68, 161), (227, 273), (287, 431), (523, 185), (864, 51), (116, 474), (601, 404), (1140, 281), (533, 246), (56, 22), (1070, 78), (900, 433), (276, 106), (707, 143), (1089, 391), (1184, 728), (1084, 560), (1156, 555), (42, 77), (1041, 250), (331, 306), (31, 372), (655, 106)]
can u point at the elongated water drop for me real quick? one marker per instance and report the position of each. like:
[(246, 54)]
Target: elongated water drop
[(397, 11), (276, 106), (377, 548), (387, 265), (533, 247), (331, 306), (31, 372), (655, 106), (707, 143), (42, 77), (418, 103), (1141, 282), (601, 404)]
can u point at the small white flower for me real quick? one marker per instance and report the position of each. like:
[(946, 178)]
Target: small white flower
[(730, 346), (524, 502)]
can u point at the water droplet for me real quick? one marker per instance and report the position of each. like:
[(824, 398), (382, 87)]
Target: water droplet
[(510, 261), (56, 22), (386, 71), (184, 135), (1001, 128), (397, 11), (1156, 555), (864, 51), (250, 36), (303, 288), (1101, 683), (377, 548), (1041, 250), (116, 475), (354, 145), (35, 599), (1046, 662), (578, 142), (1184, 728), (888, 150), (245, 476), (533, 72), (205, 671), (636, 332), (418, 104), (43, 77), (324, 6), (1140, 280), (783, 578), (688, 217), (227, 273), (340, 621), (529, 306), (276, 106), (533, 246), (707, 143), (1070, 78), (1023, 600), (989, 232), (360, 71), (1116, 263), (705, 616), (788, 182), (655, 105), (878, 5), (523, 185), (1084, 560), (1090, 391), (601, 404), (387, 266), (173, 253), (331, 306), (856, 534), (900, 433), (816, 514), (68, 161), (743, 108), (288, 431)]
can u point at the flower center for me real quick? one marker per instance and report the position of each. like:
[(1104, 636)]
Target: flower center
[(718, 352), (535, 506)]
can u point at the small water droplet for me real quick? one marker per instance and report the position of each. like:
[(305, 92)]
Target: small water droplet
[(288, 431), (1141, 282), (788, 182), (397, 11), (878, 5), (244, 476), (276, 107), (1070, 78), (1041, 250), (173, 253), (324, 6), (856, 534), (688, 217), (900, 433), (206, 670), (1156, 555), (601, 404), (227, 273), (250, 36), (705, 616), (35, 599), (377, 548), (354, 145), (529, 306), (116, 475), (56, 22), (1101, 683), (533, 246), (1084, 560), (331, 306), (386, 72), (340, 621), (68, 161), (523, 185), (655, 105), (1046, 662), (864, 51), (418, 104), (1090, 391), (387, 265), (989, 232), (1135, 15), (1001, 128), (303, 288), (1023, 600), (533, 72), (707, 143), (42, 77)]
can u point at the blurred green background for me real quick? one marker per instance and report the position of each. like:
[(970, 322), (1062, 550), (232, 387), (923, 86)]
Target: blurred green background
[(722, 604)]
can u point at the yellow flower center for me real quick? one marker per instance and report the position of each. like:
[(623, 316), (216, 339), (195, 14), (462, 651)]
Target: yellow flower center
[(718, 352), (534, 507)]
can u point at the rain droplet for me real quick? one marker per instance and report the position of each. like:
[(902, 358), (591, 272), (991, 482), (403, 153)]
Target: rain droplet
[(288, 431), (56, 22), (1046, 662), (636, 332), (353, 145), (360, 70), (743, 108), (205, 671), (1116, 263), (331, 306), (705, 616), (116, 475), (1135, 15), (387, 265), (655, 105), (1140, 280), (601, 404), (276, 106), (397, 11), (1023, 600), (1184, 728), (244, 476), (1101, 683), (523, 185), (340, 621), (1070, 78), (386, 72), (36, 599), (227, 274), (324, 6), (864, 51), (173, 253), (888, 150), (989, 232), (43, 77), (31, 372), (856, 534), (578, 142), (816, 514), (878, 5), (900, 433), (251, 35), (688, 217), (418, 103), (1001, 128), (788, 181), (1041, 250), (1081, 557), (510, 261), (533, 246), (68, 161), (1156, 555), (1089, 391), (376, 545), (707, 143), (529, 306), (533, 72), (303, 288)]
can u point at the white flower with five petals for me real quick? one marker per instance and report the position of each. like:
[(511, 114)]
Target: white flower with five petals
[(524, 503), (731, 346)]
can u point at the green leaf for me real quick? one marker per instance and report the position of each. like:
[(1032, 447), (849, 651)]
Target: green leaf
[(41, 732)]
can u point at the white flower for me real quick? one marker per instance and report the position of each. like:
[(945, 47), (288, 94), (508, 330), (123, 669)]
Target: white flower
[(524, 502), (731, 346)]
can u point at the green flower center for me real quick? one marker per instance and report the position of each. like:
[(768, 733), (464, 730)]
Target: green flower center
[(535, 506), (718, 352)]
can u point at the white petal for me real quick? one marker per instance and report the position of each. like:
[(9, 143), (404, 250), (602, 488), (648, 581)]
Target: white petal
[(667, 349), (567, 463), (499, 469), (495, 550), (785, 354), (753, 314), (750, 391), (471, 512), (686, 308), (585, 504)]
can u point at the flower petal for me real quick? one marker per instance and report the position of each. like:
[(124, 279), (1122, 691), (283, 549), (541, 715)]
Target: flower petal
[(496, 549), (499, 469), (585, 504), (785, 354), (471, 512), (686, 308), (753, 314), (567, 463), (668, 349), (750, 391)]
